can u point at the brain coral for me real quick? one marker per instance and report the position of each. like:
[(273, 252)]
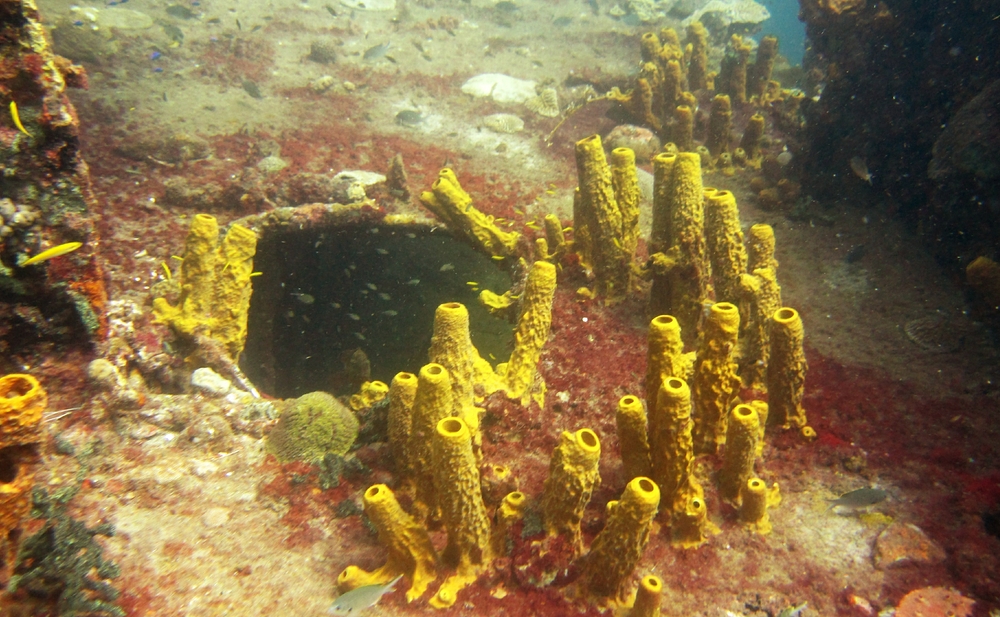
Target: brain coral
[(312, 426)]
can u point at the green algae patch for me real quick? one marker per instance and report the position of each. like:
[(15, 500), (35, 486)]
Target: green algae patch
[(312, 426)]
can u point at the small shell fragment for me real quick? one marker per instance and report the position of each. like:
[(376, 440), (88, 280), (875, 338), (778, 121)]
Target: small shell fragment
[(503, 123)]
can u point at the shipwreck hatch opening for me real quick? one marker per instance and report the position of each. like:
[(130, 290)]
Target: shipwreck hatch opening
[(326, 292)]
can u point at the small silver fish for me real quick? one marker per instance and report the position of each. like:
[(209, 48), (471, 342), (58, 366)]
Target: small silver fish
[(359, 336), (784, 158), (371, 286), (304, 298), (382, 251), (376, 52), (357, 600), (390, 313), (860, 498), (354, 316), (447, 267), (860, 169), (793, 611), (413, 282), (385, 296)]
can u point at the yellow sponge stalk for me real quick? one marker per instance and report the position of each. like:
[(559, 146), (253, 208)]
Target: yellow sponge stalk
[(762, 297), (432, 403), (214, 285), (573, 476), (410, 550), (602, 215), (450, 203), (370, 393), (742, 438), (682, 272), (456, 477), (402, 393), (452, 348), (632, 441), (510, 511), (757, 498), (520, 373), (724, 237), (647, 599), (786, 371), (608, 567), (716, 382), (671, 447), (689, 526), (625, 182), (665, 358)]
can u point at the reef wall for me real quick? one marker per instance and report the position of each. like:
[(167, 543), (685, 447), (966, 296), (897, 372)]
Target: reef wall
[(908, 86)]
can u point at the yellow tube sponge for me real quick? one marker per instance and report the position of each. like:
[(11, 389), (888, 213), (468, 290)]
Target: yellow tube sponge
[(370, 393), (573, 476), (608, 567), (752, 135), (450, 203), (555, 237), (786, 371), (716, 382), (697, 37), (690, 527), (22, 401), (431, 404), (410, 550), (602, 215), (402, 393), (510, 511), (214, 285), (720, 125), (632, 442), (665, 358), (767, 52), (762, 296), (756, 499), (452, 348), (663, 173), (625, 182), (682, 272), (671, 447), (683, 131), (456, 477), (724, 237), (647, 599), (520, 372), (742, 438)]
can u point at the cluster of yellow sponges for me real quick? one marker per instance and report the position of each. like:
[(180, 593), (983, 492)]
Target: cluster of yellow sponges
[(214, 285)]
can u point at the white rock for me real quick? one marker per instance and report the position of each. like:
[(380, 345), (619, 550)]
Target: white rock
[(210, 382), (215, 517), (503, 88), (364, 178), (203, 468), (370, 5), (731, 12)]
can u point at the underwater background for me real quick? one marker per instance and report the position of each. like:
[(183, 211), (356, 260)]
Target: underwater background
[(517, 307)]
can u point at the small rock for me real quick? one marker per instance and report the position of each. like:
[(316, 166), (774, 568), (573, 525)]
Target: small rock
[(203, 468), (210, 382), (902, 543), (272, 164), (104, 375), (215, 517), (501, 88), (640, 140)]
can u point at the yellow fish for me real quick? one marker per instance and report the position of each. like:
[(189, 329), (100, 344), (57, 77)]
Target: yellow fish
[(55, 251), (17, 120)]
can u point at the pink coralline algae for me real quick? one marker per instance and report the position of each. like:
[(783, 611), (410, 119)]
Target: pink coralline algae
[(935, 602)]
